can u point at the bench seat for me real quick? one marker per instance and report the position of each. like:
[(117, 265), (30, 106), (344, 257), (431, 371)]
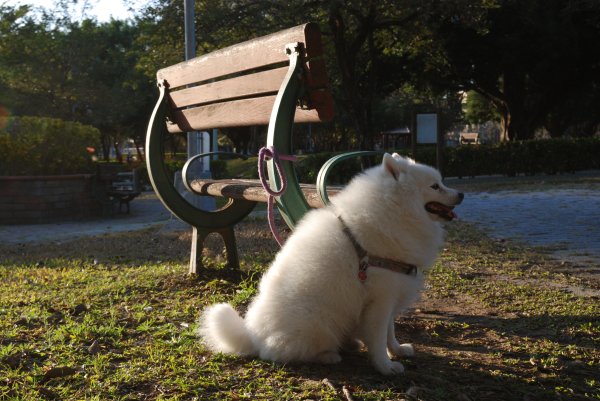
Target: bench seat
[(252, 190)]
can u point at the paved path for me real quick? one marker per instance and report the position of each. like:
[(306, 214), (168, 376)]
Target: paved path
[(566, 219), (146, 211)]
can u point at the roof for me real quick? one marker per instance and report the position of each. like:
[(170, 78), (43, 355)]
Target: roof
[(397, 131)]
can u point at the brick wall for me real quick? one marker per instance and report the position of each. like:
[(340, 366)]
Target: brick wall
[(45, 199)]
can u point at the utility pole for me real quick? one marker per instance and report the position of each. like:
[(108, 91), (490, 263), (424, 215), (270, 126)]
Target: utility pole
[(193, 140), (197, 142)]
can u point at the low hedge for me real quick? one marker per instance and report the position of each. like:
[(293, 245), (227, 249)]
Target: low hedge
[(46, 146), (548, 156), (551, 156)]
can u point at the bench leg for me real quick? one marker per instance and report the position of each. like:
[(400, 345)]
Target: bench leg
[(198, 237), (230, 247), (197, 241)]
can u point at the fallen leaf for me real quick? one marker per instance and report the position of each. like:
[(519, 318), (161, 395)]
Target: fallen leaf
[(59, 371)]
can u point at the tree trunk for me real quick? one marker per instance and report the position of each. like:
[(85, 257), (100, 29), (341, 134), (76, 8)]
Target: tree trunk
[(346, 50), (519, 118)]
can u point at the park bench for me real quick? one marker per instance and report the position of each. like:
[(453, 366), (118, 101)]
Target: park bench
[(119, 186), (469, 138), (277, 80)]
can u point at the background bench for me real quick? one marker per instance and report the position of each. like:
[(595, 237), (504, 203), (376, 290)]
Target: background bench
[(277, 80), (469, 138), (119, 186)]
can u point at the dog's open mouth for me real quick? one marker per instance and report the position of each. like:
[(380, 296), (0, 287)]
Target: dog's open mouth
[(441, 210)]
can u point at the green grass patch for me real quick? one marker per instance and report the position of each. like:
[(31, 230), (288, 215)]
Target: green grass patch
[(113, 318)]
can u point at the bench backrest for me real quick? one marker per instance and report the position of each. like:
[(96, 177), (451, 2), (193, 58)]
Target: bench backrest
[(237, 85), (108, 171)]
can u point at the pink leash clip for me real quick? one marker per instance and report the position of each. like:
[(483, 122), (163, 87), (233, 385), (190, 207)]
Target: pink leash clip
[(264, 154)]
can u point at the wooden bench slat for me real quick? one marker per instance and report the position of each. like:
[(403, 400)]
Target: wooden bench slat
[(252, 190), (249, 76), (235, 113), (259, 84), (244, 56)]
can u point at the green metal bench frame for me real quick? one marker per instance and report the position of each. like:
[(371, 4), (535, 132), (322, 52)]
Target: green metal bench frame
[(295, 90)]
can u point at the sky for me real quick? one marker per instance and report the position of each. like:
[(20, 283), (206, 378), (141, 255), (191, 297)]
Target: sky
[(102, 10)]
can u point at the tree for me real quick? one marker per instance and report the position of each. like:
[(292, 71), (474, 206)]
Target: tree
[(479, 109), (357, 34), (530, 59), (110, 93), (26, 51), (358, 31), (78, 71), (535, 61)]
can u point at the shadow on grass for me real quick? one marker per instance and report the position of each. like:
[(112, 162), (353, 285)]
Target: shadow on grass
[(488, 359)]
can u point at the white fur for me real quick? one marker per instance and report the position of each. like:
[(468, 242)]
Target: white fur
[(310, 302)]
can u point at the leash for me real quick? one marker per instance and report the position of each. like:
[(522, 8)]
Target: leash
[(270, 153)]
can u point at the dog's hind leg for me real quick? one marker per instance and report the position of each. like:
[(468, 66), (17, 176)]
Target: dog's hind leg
[(315, 348), (393, 346)]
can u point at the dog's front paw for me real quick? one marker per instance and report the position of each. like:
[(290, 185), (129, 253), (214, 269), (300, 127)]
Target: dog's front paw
[(389, 367), (404, 350)]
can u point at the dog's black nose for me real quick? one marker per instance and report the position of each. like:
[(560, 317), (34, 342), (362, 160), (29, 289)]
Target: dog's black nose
[(461, 196)]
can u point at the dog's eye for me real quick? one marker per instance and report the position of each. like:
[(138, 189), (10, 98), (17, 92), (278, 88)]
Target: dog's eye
[(435, 187)]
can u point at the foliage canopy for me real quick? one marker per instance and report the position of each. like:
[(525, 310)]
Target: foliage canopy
[(534, 63)]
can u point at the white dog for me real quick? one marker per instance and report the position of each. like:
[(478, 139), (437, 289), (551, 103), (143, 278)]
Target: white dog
[(345, 273)]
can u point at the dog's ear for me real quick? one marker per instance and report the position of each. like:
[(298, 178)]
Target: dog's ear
[(403, 159), (392, 165)]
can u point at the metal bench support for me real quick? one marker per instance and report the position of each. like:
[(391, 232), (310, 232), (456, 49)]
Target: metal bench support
[(292, 204), (203, 222), (242, 85)]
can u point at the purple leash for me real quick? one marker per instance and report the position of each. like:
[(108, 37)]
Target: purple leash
[(264, 154)]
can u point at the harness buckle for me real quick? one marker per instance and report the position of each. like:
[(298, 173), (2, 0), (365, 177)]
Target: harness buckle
[(362, 268)]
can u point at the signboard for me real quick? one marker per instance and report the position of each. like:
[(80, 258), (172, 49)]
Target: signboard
[(427, 127)]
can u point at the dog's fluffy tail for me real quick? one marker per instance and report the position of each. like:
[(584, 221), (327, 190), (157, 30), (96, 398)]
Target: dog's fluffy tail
[(223, 330)]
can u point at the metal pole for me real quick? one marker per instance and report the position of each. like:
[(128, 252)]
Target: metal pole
[(190, 36), (194, 140), (190, 52), (439, 147)]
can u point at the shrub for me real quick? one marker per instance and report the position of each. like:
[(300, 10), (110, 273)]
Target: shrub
[(218, 168), (308, 168), (45, 146), (549, 156)]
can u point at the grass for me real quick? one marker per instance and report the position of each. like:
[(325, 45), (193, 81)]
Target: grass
[(103, 318)]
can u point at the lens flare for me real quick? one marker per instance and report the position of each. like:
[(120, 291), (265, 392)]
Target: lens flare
[(4, 117)]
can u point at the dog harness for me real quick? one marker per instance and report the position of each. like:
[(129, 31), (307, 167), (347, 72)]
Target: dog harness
[(366, 260)]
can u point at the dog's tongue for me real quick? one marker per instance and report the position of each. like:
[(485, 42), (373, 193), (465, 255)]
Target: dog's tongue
[(441, 210)]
